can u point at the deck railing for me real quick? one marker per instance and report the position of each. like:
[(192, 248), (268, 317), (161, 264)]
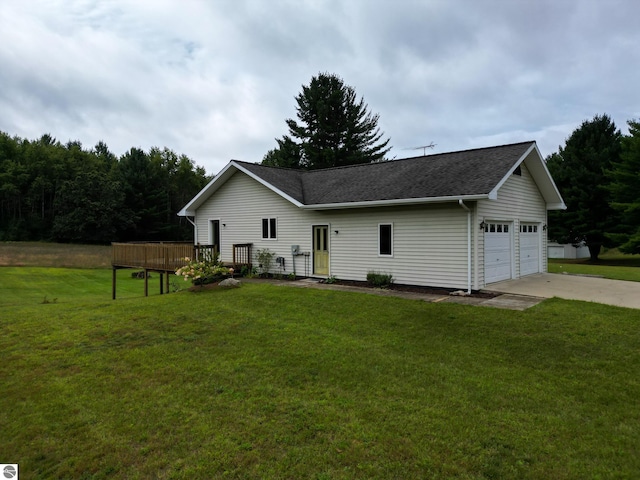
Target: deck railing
[(242, 255), (160, 256)]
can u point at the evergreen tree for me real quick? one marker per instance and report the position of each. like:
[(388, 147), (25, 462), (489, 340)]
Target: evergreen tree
[(334, 129), (579, 170), (625, 191)]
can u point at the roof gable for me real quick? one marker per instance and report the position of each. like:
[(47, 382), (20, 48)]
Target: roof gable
[(468, 175)]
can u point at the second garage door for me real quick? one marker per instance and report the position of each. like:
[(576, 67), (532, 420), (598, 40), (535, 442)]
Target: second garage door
[(529, 249), (497, 252)]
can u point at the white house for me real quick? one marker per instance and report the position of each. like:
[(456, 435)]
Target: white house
[(458, 220)]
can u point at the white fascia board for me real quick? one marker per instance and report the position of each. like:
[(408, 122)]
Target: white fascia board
[(556, 206), (541, 176), (268, 185), (553, 185), (390, 203), (493, 195)]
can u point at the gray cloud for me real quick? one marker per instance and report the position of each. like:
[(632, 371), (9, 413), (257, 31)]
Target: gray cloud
[(216, 80)]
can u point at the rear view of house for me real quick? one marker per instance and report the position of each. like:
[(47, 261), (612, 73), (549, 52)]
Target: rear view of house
[(458, 220)]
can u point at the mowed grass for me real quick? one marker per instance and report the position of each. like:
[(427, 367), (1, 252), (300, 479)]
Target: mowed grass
[(611, 264), (30, 273), (31, 285), (279, 382)]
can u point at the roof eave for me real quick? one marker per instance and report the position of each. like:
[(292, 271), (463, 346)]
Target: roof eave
[(394, 202), (556, 206), (190, 208)]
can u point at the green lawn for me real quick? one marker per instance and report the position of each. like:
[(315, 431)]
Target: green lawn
[(280, 382), (32, 285), (611, 264)]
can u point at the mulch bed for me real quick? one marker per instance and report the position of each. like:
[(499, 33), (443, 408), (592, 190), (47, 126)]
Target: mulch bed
[(417, 289)]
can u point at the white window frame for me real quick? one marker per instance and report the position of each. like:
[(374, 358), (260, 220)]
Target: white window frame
[(269, 221), (380, 225)]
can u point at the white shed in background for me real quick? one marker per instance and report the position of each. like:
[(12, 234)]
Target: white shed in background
[(567, 250)]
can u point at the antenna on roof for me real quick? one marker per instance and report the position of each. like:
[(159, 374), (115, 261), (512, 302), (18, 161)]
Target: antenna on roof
[(423, 147)]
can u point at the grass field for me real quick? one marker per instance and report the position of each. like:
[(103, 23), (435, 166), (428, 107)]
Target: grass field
[(31, 274), (42, 254), (611, 264), (279, 382)]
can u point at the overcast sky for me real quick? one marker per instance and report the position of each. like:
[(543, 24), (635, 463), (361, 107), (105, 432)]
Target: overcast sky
[(215, 80)]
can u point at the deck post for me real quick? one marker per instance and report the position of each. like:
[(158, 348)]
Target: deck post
[(167, 280), (161, 284), (146, 282), (113, 284)]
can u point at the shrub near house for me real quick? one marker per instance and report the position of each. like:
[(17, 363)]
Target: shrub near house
[(204, 271)]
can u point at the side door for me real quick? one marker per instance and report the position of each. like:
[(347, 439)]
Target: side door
[(321, 249)]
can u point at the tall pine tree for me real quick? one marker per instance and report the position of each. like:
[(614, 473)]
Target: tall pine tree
[(334, 129)]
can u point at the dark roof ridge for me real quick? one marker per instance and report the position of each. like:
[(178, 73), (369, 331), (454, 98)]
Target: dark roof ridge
[(303, 170)]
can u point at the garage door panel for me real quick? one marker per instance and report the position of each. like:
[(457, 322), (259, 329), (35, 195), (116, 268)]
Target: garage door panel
[(497, 253), (529, 249)]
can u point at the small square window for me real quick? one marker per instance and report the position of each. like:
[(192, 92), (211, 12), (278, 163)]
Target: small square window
[(269, 228)]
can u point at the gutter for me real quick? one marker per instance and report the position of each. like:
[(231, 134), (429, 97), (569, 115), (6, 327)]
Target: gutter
[(195, 229), (461, 203)]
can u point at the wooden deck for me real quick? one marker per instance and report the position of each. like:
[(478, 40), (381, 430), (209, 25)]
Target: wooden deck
[(161, 257), (166, 257)]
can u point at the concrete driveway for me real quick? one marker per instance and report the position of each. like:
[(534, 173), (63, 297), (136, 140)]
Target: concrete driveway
[(573, 287)]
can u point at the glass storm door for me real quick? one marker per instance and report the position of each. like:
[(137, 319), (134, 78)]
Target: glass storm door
[(321, 250)]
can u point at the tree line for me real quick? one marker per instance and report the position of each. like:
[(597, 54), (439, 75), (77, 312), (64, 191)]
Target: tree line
[(598, 174), (62, 192)]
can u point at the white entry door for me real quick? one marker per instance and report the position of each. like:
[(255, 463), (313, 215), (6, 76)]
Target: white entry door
[(529, 249), (497, 252)]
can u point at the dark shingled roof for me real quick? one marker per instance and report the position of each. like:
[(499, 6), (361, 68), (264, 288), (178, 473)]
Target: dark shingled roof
[(469, 172)]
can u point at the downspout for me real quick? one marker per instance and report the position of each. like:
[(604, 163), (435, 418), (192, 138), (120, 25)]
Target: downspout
[(461, 203), (195, 229)]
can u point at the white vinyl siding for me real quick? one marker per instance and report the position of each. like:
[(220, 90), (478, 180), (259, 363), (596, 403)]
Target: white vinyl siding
[(519, 201), (241, 204), (429, 241), (429, 244)]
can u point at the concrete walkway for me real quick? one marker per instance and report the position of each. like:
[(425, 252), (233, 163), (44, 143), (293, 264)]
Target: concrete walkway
[(573, 287)]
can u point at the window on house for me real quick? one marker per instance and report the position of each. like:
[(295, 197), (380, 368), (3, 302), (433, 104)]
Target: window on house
[(385, 239), (269, 228)]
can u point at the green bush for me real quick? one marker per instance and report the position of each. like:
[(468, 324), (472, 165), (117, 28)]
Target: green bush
[(265, 260), (379, 280)]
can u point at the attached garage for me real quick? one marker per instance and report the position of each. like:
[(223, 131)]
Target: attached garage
[(529, 249), (497, 252)]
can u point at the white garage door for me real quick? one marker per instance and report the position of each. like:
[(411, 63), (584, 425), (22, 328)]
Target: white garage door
[(497, 252), (529, 249)]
